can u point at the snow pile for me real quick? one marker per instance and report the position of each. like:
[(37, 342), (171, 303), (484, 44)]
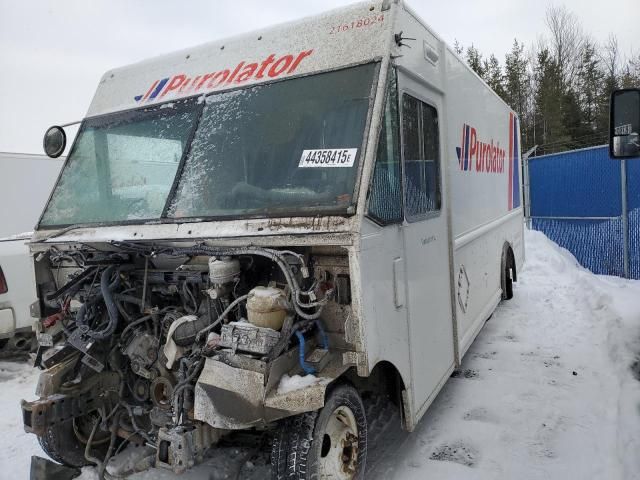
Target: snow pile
[(17, 381), (290, 384), (546, 390)]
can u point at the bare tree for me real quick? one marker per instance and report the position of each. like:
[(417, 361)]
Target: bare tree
[(610, 56), (567, 39)]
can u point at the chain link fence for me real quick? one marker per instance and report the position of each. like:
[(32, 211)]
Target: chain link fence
[(590, 205)]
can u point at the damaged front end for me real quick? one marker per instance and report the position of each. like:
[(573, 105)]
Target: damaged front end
[(173, 346)]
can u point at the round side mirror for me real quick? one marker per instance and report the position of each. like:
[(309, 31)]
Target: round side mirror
[(54, 142)]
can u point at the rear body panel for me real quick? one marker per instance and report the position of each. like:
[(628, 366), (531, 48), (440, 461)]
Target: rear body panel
[(17, 266)]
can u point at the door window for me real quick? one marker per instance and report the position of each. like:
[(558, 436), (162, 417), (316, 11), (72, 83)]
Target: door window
[(385, 194), (421, 150)]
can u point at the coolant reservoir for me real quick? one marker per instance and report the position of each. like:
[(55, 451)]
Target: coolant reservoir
[(267, 307)]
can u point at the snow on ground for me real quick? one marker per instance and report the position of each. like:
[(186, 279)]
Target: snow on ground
[(17, 381), (547, 391)]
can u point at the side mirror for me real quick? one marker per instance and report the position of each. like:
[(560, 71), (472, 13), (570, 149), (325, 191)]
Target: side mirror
[(624, 128), (54, 142)]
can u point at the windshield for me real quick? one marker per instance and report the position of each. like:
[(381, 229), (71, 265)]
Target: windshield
[(122, 167), (285, 147)]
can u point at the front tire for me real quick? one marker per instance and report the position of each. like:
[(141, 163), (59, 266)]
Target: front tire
[(65, 444), (329, 443)]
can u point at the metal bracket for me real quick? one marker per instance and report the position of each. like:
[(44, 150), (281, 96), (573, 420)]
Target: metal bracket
[(41, 414)]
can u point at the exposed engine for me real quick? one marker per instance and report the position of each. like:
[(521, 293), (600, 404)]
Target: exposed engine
[(126, 331)]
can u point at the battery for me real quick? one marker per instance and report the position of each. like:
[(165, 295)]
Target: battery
[(245, 337)]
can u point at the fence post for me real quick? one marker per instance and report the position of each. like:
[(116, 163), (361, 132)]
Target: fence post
[(526, 185), (625, 217)]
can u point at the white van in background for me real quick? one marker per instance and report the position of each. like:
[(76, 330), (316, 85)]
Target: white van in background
[(25, 184)]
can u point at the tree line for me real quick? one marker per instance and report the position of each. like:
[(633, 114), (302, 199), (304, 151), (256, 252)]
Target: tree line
[(560, 86)]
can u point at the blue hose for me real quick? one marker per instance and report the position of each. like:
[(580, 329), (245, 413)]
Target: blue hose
[(308, 369), (323, 335)]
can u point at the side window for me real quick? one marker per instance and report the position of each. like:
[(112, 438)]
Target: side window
[(420, 136), (385, 193)]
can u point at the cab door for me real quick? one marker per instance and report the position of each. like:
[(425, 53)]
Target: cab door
[(426, 241)]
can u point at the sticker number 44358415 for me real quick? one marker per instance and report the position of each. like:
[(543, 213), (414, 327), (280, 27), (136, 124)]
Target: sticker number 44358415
[(328, 157)]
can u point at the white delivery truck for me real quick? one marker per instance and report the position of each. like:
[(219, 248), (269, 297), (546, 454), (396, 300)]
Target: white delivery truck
[(25, 185), (258, 233)]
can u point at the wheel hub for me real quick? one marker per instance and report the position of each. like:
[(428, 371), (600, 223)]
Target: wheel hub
[(339, 453)]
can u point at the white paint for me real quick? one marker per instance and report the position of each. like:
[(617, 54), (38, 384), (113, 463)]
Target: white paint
[(430, 332), (426, 333), (306, 46), (17, 266), (25, 184)]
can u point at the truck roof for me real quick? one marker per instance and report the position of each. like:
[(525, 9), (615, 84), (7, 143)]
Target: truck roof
[(351, 35)]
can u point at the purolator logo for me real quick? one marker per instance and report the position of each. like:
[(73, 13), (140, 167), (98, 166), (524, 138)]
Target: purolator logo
[(479, 156), (181, 84), (488, 156)]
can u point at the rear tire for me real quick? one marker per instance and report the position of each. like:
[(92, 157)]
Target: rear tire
[(508, 274), (329, 443)]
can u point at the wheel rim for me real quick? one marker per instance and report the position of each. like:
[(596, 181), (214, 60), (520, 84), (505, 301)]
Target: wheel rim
[(339, 449), (82, 427)]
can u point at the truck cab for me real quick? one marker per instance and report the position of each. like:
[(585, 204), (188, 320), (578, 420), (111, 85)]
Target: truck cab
[(266, 232)]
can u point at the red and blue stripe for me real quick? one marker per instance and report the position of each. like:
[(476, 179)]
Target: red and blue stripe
[(514, 163)]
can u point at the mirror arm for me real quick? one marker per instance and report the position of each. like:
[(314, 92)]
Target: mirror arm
[(70, 123)]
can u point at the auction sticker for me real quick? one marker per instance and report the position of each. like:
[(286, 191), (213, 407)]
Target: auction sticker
[(328, 157)]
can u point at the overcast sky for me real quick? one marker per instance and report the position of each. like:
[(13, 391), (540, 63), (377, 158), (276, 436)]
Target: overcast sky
[(53, 52)]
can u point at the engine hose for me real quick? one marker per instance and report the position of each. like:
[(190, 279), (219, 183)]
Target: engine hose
[(135, 323), (87, 448), (140, 320), (182, 386), (226, 312), (112, 308), (127, 299), (308, 369), (274, 256), (106, 295), (123, 312), (80, 320), (285, 336), (112, 443), (323, 335)]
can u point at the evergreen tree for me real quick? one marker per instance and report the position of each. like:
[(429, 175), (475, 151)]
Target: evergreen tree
[(515, 71), (562, 92), (631, 73), (573, 126), (474, 59), (548, 104), (590, 86), (494, 76)]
